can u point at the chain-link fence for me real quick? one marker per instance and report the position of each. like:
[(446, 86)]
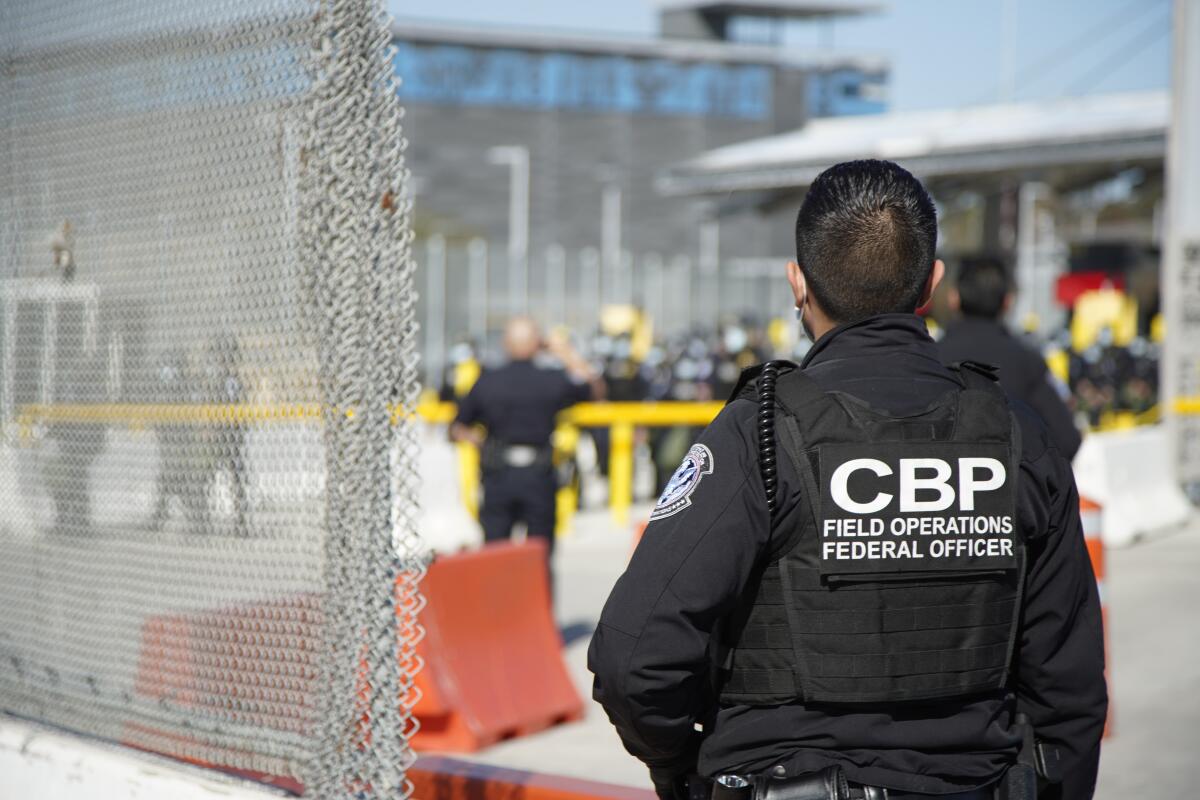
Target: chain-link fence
[(207, 361)]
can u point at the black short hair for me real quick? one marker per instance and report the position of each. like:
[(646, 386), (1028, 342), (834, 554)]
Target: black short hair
[(865, 238), (983, 283)]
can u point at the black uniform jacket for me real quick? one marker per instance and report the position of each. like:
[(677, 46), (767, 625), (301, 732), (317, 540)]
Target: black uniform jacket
[(1022, 372), (650, 652), (517, 402)]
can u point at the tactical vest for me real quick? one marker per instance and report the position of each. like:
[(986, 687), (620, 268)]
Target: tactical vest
[(903, 579)]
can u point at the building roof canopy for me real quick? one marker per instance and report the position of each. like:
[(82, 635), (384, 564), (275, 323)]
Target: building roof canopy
[(779, 9), (963, 141)]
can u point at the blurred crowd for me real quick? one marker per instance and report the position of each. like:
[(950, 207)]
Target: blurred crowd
[(1099, 381), (1107, 379)]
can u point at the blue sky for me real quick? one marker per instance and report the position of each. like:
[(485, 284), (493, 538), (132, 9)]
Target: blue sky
[(943, 52)]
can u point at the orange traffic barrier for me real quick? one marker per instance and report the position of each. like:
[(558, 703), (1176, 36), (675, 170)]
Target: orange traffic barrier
[(1091, 515), (246, 665), (493, 663), (436, 778), (493, 656)]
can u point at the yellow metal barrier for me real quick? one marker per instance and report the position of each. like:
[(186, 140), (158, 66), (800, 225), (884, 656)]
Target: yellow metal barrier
[(137, 414), (140, 414), (1187, 405), (435, 412), (647, 415), (622, 418)]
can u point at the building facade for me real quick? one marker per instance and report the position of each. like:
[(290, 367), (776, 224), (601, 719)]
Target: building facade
[(596, 120)]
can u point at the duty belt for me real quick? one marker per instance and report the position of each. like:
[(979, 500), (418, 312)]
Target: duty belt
[(524, 455), (827, 784), (498, 455)]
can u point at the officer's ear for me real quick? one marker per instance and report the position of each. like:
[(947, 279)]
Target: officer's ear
[(795, 277), (931, 283)]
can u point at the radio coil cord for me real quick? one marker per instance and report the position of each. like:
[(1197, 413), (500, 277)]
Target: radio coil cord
[(766, 430)]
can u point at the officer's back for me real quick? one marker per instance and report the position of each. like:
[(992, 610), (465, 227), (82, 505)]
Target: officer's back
[(517, 401), (517, 404), (983, 295), (918, 580)]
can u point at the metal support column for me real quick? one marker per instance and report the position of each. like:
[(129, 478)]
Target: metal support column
[(435, 309), (1180, 364)]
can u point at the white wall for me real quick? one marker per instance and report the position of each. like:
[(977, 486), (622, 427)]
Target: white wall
[(46, 764)]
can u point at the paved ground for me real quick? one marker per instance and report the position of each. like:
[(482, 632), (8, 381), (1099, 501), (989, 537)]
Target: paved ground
[(1154, 640), (588, 564), (1154, 670)]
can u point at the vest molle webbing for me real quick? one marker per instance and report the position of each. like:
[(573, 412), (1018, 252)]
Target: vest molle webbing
[(904, 580)]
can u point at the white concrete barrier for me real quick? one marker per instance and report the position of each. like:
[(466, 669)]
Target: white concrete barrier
[(444, 523), (42, 763), (1127, 472)]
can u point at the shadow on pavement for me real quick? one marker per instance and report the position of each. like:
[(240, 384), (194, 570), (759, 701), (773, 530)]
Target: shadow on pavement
[(574, 631)]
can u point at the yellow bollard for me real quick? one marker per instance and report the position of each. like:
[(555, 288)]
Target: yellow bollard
[(566, 500), (620, 472), (468, 476)]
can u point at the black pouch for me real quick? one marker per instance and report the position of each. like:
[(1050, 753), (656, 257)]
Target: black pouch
[(828, 784)]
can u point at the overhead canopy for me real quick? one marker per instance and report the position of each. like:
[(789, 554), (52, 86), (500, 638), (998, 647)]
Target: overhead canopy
[(978, 140), (780, 9)]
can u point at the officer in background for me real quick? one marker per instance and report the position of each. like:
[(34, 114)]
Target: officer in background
[(517, 404), (227, 437), (868, 571), (983, 295), (181, 442)]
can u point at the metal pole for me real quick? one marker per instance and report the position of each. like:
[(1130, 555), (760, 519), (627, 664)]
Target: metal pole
[(1027, 289), (610, 235), (10, 353), (477, 289), (519, 196), (116, 364), (49, 349), (556, 284), (625, 285), (683, 280), (1180, 394), (517, 159), (710, 260), (589, 280), (653, 290), (435, 308)]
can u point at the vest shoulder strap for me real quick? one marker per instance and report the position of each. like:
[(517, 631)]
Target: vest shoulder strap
[(977, 375), (983, 412), (746, 385), (799, 394)]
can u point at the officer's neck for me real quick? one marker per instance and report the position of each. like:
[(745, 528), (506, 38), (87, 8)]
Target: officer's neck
[(816, 322)]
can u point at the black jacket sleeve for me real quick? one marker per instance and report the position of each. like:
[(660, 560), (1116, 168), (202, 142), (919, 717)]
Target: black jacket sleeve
[(1060, 666), (650, 653), (1044, 400)]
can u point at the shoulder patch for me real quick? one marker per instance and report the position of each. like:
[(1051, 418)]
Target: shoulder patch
[(678, 495)]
